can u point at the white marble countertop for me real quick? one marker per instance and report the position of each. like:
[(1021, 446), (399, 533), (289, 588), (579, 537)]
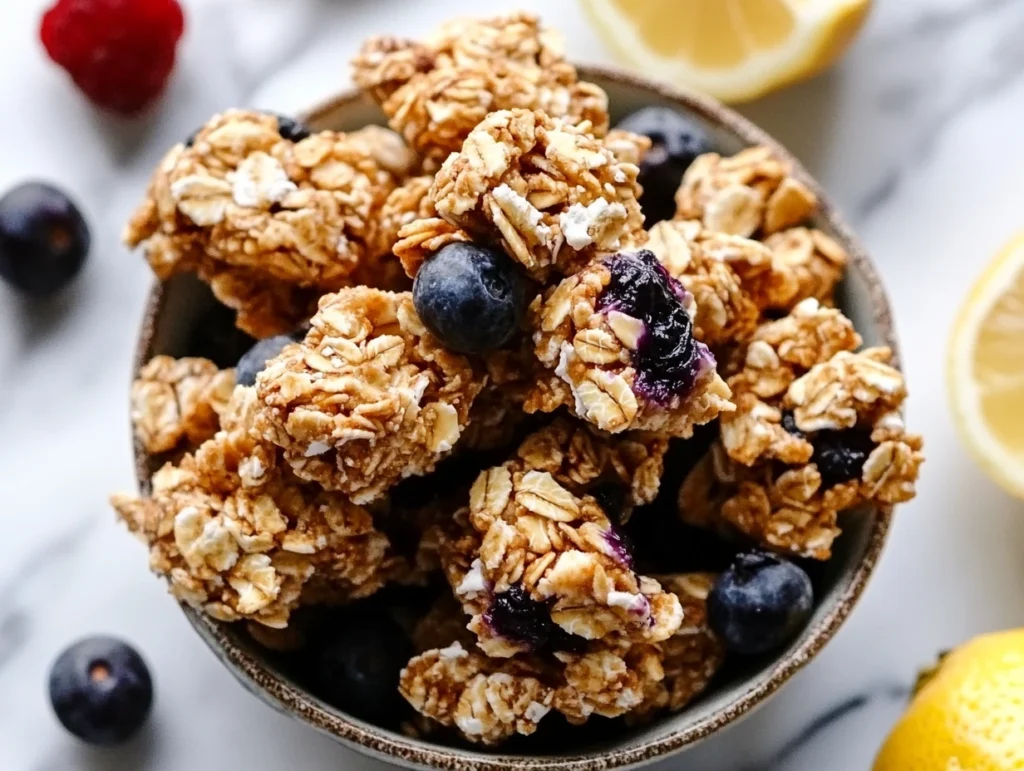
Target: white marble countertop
[(917, 135)]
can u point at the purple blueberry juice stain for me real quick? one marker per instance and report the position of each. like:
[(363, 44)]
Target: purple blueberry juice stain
[(516, 616), (621, 547), (668, 360)]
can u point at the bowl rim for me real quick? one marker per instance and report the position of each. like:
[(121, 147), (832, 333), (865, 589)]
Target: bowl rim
[(389, 746)]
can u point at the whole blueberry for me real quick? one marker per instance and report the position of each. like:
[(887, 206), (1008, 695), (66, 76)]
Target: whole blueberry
[(760, 603), (471, 297), (255, 359), (840, 455), (357, 665), (44, 239), (675, 142), (101, 690)]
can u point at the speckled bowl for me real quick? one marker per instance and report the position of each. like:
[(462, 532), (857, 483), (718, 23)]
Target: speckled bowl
[(174, 308)]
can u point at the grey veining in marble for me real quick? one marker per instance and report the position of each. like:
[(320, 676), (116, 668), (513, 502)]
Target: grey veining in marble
[(916, 134)]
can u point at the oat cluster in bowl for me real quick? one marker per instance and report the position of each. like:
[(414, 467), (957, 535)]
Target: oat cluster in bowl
[(292, 493)]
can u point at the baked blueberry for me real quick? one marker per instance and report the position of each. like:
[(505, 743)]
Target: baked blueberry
[(471, 297), (840, 455), (789, 425), (516, 616), (101, 690), (760, 602), (255, 359), (288, 128), (675, 142), (357, 665), (291, 129), (44, 239), (668, 359)]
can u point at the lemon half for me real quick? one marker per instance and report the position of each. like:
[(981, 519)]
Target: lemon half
[(985, 369), (735, 50)]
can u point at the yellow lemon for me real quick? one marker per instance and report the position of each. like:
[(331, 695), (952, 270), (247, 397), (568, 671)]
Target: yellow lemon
[(736, 50), (968, 714), (985, 369)]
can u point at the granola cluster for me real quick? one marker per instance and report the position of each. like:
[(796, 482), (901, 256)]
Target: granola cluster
[(502, 485), (490, 699), (269, 218), (817, 431), (237, 535), (437, 91)]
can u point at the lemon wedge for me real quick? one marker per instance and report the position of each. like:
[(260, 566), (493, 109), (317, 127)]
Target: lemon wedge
[(985, 369), (736, 50)]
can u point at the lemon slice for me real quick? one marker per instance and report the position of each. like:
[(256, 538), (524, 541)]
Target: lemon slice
[(736, 50), (985, 369)]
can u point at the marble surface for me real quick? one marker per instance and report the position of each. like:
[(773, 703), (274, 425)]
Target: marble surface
[(917, 135)]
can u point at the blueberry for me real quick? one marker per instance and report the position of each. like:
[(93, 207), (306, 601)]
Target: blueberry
[(840, 455), (675, 142), (291, 129), (101, 690), (668, 359), (515, 615), (470, 296), (44, 239), (760, 603), (790, 427), (255, 359), (357, 665)]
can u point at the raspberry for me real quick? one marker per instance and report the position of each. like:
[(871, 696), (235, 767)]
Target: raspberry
[(120, 53)]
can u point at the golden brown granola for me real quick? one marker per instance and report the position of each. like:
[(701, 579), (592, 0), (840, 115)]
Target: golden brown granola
[(434, 93), (775, 476), (254, 213), (489, 699), (531, 526), (691, 657), (551, 193), (808, 263), (752, 192), (368, 398), (589, 355), (725, 310), (238, 536), (179, 402)]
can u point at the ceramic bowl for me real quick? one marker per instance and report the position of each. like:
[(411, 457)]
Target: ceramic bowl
[(175, 307)]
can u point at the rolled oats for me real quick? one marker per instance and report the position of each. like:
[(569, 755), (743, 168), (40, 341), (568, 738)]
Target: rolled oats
[(551, 193), (434, 93), (591, 352), (749, 193), (176, 401), (238, 536), (369, 398), (247, 209)]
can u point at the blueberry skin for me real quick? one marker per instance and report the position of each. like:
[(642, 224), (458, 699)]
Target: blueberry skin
[(101, 690), (675, 142), (44, 239), (470, 297), (357, 666), (288, 128), (255, 359), (760, 603)]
